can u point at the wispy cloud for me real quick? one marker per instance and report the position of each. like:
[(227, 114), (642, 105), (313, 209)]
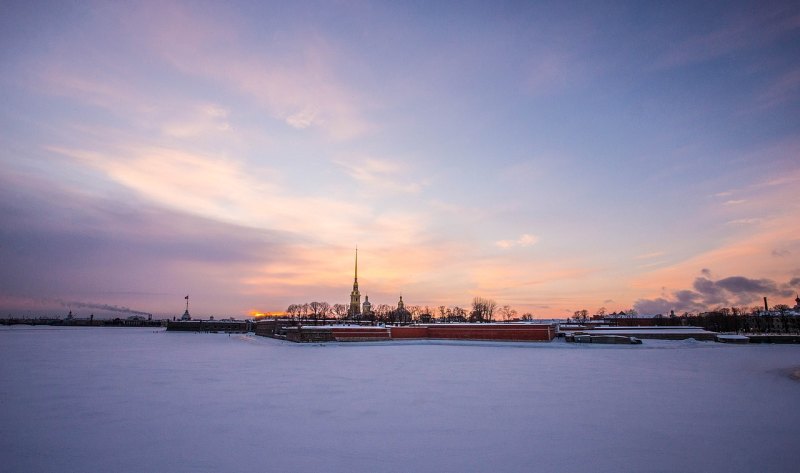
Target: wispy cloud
[(302, 119), (301, 86), (740, 29), (524, 240), (783, 90), (381, 174), (83, 247), (744, 221), (200, 121), (654, 254), (221, 188)]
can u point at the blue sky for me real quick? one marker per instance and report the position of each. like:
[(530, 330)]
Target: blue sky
[(552, 156)]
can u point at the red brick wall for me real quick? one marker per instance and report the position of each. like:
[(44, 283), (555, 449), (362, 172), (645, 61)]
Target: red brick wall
[(493, 332), (408, 332), (476, 332), (352, 334), (510, 332)]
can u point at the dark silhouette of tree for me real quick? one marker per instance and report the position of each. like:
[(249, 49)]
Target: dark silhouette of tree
[(318, 310), (339, 310), (382, 312), (458, 314), (580, 316), (294, 311), (507, 313), (782, 308), (482, 310)]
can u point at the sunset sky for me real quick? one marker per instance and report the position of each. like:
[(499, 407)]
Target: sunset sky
[(553, 156)]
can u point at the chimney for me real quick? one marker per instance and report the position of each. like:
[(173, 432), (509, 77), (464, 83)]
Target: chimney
[(766, 307)]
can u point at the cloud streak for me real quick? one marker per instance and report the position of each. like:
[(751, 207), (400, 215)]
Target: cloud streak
[(103, 307)]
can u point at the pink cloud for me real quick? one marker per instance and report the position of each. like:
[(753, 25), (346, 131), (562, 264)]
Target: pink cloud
[(299, 85)]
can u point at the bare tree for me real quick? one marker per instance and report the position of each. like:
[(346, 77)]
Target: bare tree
[(601, 312), (527, 317), (482, 310), (507, 313), (294, 311), (382, 312), (782, 308), (458, 314), (319, 310), (339, 310)]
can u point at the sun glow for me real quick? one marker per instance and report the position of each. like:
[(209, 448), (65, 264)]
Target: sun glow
[(264, 315)]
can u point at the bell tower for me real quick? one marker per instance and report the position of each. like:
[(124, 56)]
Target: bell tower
[(355, 296)]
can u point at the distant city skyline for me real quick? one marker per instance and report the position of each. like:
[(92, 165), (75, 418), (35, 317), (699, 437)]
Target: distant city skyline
[(553, 156)]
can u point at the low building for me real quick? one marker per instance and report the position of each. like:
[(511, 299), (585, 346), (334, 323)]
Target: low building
[(227, 326)]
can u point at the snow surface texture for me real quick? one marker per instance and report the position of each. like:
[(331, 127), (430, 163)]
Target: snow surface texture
[(134, 400)]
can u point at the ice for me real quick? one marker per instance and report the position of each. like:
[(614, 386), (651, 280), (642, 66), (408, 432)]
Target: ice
[(133, 400)]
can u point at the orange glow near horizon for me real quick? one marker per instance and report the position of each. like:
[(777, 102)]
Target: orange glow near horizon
[(263, 315)]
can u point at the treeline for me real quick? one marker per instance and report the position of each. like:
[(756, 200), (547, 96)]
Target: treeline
[(481, 310), (729, 323), (55, 321), (780, 319)]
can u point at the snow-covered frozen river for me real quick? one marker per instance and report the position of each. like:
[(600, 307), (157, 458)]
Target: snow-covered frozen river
[(136, 400)]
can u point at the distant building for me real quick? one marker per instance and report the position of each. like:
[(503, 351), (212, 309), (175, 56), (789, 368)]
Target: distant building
[(186, 315), (357, 310), (355, 297), (366, 309), (402, 315)]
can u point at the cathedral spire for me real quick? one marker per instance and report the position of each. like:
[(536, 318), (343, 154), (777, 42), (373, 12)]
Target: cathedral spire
[(355, 296)]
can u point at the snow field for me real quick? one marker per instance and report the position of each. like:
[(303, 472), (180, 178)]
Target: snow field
[(132, 400)]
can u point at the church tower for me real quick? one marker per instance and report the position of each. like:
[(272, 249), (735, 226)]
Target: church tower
[(355, 296), (366, 309), (402, 314)]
